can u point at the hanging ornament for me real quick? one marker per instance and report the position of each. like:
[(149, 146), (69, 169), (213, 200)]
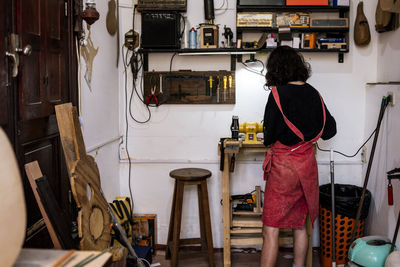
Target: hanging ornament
[(90, 14)]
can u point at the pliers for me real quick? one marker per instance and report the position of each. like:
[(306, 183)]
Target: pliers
[(152, 95)]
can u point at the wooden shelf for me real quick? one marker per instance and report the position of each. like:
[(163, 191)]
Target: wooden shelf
[(247, 213), (246, 241), (250, 8), (246, 222), (292, 29), (246, 230)]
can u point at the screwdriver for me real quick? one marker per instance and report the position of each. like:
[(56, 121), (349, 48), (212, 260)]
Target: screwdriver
[(225, 86), (218, 87), (211, 84), (230, 85)]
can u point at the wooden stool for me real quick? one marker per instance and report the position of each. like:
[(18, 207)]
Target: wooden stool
[(189, 176)]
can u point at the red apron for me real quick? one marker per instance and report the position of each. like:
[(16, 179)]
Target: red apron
[(291, 172)]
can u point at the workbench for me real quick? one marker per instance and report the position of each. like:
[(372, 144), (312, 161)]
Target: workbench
[(252, 234)]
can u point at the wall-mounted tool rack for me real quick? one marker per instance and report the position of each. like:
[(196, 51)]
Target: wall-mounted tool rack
[(190, 87)]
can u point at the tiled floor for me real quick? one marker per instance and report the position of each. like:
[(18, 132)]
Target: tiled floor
[(239, 259)]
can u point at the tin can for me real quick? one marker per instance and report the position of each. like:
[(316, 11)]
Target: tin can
[(193, 38)]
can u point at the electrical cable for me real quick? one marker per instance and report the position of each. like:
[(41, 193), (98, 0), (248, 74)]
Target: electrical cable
[(348, 156), (358, 150), (127, 132), (135, 68), (170, 63)]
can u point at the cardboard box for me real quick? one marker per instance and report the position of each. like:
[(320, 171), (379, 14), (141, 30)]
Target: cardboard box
[(306, 2)]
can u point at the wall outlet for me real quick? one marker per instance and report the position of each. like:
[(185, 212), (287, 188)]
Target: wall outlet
[(392, 99), (364, 154)]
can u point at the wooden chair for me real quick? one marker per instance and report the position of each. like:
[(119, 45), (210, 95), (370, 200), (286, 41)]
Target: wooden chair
[(189, 176)]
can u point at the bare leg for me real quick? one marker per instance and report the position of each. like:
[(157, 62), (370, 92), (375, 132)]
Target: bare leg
[(270, 246), (300, 246)]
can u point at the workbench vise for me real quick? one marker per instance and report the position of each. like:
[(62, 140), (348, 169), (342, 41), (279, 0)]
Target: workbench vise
[(250, 129)]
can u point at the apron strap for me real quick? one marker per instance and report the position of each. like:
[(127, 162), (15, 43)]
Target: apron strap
[(289, 124)]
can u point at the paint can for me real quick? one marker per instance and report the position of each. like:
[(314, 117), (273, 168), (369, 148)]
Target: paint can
[(193, 38)]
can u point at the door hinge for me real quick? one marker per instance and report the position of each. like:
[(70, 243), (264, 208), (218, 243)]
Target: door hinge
[(66, 8)]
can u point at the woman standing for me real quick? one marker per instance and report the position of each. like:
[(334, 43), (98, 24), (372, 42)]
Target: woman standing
[(295, 117)]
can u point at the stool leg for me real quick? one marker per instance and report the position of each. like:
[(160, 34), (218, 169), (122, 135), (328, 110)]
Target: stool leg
[(171, 225), (177, 223), (207, 224), (201, 217)]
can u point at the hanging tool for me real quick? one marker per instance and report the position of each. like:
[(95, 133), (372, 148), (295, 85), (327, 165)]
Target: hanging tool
[(222, 153), (230, 85), (333, 210), (218, 88), (393, 174), (152, 95), (210, 79), (225, 86), (384, 104)]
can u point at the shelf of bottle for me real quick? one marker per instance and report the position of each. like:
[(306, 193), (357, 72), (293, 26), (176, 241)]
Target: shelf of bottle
[(230, 51), (292, 29)]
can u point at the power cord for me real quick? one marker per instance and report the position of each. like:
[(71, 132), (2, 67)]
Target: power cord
[(386, 102), (170, 63)]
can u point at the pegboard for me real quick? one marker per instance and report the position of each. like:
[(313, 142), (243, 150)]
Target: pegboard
[(190, 87)]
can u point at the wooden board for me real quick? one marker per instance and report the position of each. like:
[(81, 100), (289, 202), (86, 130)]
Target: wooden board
[(33, 172), (56, 215), (241, 221), (190, 87), (246, 241), (93, 217)]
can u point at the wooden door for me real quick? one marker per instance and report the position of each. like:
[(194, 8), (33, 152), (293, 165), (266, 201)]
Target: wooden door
[(44, 80), (4, 101)]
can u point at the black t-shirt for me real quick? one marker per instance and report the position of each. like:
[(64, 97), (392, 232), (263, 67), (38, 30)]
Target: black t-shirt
[(302, 106)]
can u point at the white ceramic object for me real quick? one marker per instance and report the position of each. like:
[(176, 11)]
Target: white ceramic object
[(12, 205)]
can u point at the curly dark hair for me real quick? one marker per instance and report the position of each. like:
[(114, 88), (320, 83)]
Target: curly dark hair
[(286, 65)]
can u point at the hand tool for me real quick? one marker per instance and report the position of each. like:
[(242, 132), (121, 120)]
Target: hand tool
[(152, 95), (218, 88), (161, 90), (225, 79), (210, 79), (230, 85)]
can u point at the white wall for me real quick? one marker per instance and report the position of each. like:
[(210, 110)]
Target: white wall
[(382, 218), (99, 106), (187, 135)]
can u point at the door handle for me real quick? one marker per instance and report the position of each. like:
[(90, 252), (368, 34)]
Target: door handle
[(15, 61), (16, 51)]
